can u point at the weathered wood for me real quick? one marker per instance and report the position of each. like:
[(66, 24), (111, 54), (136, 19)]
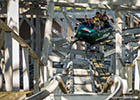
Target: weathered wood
[(1, 39), (1, 76), (108, 53), (47, 45), (38, 36), (13, 22), (8, 73), (32, 36), (19, 39), (25, 62), (137, 76), (36, 75), (131, 20), (47, 36), (118, 44)]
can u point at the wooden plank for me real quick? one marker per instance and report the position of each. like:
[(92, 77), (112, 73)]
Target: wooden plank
[(25, 62)]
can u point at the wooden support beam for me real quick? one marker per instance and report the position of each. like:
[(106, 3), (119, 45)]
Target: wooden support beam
[(47, 36), (105, 2), (13, 22), (1, 39), (8, 72), (5, 28), (25, 62), (137, 76), (1, 78), (118, 45), (36, 75), (108, 53), (47, 45), (2, 66), (131, 21), (38, 36), (32, 36)]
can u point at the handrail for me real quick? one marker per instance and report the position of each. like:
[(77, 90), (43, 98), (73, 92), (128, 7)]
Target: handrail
[(119, 85), (50, 88), (6, 28)]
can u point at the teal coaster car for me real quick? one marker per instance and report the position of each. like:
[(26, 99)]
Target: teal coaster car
[(91, 36)]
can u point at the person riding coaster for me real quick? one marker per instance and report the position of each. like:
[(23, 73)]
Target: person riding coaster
[(91, 36)]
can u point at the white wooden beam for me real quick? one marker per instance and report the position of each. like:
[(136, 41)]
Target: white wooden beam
[(118, 45), (137, 76), (8, 72), (13, 22), (47, 45), (25, 62), (47, 35)]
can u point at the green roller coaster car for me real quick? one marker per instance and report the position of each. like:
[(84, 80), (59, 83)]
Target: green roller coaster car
[(91, 36)]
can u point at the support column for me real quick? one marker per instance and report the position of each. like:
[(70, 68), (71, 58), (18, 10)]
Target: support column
[(25, 61), (120, 69), (113, 67), (32, 37), (36, 75), (47, 45), (118, 44), (38, 36), (131, 21), (13, 22), (8, 72), (137, 74)]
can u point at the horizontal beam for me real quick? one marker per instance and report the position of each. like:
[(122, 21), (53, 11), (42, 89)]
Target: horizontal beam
[(109, 52), (131, 31)]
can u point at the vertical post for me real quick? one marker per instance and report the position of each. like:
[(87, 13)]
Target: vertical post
[(1, 73), (38, 35), (46, 50), (118, 53), (32, 37), (131, 20), (13, 22), (118, 44), (65, 25), (1, 39), (113, 67), (120, 70), (124, 21), (25, 60), (137, 74), (8, 72), (36, 75)]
